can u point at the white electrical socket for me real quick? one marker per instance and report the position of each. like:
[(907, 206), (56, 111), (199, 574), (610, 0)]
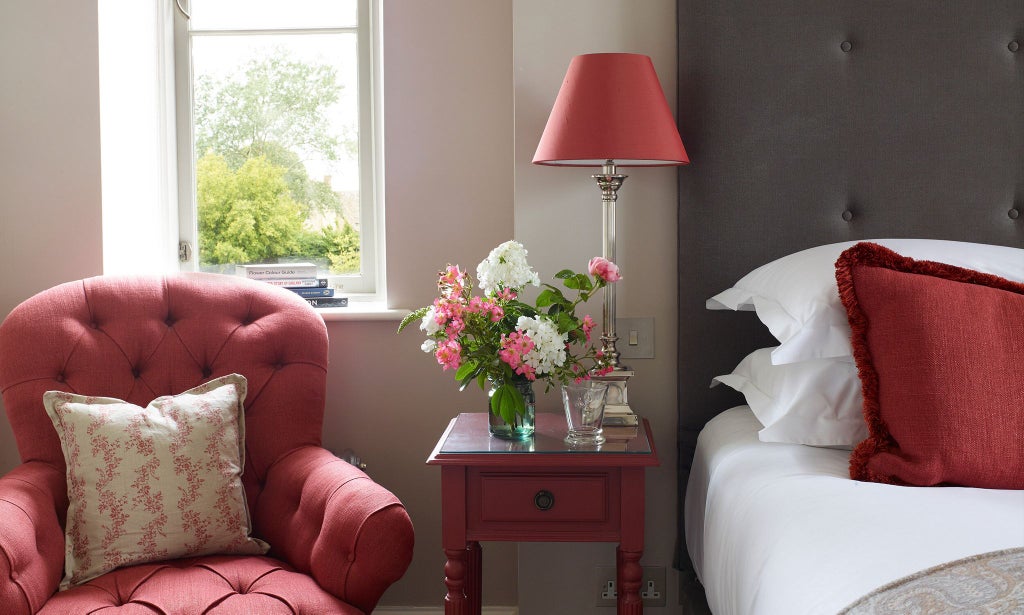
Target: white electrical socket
[(652, 587), (604, 581)]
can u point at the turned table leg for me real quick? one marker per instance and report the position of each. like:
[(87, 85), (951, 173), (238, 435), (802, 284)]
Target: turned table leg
[(631, 544), (630, 577), (455, 602)]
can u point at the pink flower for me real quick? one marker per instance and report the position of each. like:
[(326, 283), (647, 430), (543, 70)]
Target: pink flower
[(604, 269), (455, 327), (452, 282), (489, 306), (446, 310), (588, 326), (449, 354), (513, 347)]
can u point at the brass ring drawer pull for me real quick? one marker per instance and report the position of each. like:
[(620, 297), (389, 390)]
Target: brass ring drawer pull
[(544, 500)]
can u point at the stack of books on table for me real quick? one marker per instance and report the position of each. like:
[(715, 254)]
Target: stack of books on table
[(620, 416), (300, 278), (619, 432)]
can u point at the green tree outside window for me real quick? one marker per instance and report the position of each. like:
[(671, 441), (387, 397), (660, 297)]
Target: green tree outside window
[(256, 201)]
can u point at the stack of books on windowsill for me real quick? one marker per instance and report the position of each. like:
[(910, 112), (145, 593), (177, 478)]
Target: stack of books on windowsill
[(300, 278)]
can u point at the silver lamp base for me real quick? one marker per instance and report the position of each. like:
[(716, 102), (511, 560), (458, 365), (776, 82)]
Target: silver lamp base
[(616, 408)]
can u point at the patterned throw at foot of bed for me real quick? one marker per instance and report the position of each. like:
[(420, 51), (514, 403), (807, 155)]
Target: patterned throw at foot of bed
[(990, 583)]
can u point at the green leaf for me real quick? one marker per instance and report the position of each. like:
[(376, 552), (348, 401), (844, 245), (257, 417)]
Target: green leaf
[(573, 283), (507, 403), (466, 369), (565, 274), (466, 373), (548, 297), (565, 322), (414, 316)]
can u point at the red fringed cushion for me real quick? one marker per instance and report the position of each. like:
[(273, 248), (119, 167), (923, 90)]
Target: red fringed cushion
[(939, 351)]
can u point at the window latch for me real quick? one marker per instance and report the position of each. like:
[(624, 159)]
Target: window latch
[(184, 251)]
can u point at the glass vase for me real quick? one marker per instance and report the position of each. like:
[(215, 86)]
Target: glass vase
[(523, 425)]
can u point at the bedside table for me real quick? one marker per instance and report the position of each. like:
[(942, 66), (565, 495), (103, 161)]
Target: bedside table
[(538, 490)]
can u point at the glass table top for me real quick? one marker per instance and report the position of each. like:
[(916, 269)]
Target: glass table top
[(469, 435)]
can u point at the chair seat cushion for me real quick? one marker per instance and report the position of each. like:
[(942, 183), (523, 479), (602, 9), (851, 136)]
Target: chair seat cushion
[(214, 585)]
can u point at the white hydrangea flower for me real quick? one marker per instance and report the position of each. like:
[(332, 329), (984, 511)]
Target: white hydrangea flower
[(549, 346), (506, 267), (429, 346), (429, 323)]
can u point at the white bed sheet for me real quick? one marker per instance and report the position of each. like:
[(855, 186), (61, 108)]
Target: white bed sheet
[(781, 529)]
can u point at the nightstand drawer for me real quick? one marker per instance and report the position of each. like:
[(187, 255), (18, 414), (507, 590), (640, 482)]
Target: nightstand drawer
[(550, 497), (563, 502)]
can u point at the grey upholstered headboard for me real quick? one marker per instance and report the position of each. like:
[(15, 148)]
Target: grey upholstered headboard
[(815, 121)]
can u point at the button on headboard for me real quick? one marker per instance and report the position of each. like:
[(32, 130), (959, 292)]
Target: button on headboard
[(815, 121)]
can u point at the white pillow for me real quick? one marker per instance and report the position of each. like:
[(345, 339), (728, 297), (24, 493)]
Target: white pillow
[(153, 483), (797, 298), (816, 402)]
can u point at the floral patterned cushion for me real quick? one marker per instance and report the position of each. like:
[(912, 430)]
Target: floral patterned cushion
[(153, 483)]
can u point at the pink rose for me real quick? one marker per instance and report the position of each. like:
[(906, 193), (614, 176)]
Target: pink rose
[(604, 269)]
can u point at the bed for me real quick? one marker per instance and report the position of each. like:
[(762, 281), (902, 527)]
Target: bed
[(809, 124), (783, 529)]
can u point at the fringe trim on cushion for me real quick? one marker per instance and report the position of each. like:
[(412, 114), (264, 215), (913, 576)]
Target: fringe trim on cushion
[(867, 254)]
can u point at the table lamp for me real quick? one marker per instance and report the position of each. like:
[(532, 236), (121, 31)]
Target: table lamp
[(611, 112)]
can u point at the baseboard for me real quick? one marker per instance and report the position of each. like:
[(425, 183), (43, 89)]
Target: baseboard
[(429, 610)]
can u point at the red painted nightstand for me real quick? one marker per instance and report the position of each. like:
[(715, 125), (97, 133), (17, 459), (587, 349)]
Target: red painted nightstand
[(538, 490)]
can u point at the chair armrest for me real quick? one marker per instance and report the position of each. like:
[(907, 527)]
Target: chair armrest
[(328, 519), (31, 536)]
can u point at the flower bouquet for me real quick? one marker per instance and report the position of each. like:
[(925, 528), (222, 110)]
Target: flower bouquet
[(499, 339)]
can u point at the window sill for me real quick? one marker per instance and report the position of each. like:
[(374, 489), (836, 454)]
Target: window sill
[(362, 310)]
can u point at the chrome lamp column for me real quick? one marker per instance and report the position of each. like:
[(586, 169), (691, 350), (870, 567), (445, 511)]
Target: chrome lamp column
[(611, 112)]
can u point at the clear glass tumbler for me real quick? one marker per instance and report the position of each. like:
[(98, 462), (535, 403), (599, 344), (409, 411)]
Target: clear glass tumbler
[(584, 411)]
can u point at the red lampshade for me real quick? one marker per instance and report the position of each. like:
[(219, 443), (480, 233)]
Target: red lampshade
[(611, 107)]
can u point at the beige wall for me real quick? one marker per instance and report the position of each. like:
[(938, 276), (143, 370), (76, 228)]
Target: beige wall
[(464, 104), (448, 120), (558, 217), (50, 229)]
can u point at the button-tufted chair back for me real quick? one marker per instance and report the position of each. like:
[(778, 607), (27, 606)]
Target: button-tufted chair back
[(337, 539), (137, 338)]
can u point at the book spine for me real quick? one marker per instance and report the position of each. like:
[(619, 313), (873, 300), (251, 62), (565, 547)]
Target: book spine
[(326, 302), (279, 273), (298, 283), (311, 293)]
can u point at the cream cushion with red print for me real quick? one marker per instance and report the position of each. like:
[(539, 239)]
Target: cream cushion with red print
[(154, 483)]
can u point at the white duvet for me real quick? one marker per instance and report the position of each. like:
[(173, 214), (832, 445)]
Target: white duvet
[(781, 529)]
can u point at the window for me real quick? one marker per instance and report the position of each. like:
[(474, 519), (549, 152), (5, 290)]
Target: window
[(276, 136)]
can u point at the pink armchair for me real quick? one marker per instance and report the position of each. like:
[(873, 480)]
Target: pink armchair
[(338, 539)]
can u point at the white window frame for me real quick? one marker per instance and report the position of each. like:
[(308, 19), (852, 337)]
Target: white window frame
[(368, 285)]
